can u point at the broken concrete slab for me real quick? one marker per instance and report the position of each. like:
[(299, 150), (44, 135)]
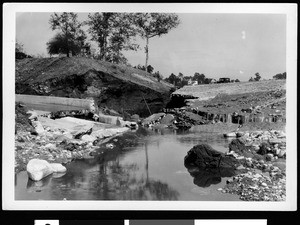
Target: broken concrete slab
[(36, 100)]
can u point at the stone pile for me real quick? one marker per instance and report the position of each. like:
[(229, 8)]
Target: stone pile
[(253, 186), (55, 143), (262, 154), (178, 118)]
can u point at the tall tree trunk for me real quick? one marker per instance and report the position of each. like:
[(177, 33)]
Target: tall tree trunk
[(147, 52)]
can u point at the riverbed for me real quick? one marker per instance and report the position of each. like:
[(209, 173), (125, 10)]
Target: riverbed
[(152, 170)]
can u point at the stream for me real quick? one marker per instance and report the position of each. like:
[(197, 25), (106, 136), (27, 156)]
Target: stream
[(152, 170)]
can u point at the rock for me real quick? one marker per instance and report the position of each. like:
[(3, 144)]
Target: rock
[(70, 146), (240, 134), (280, 164), (98, 133), (274, 141), (204, 156), (135, 117), (20, 139), (37, 169), (281, 153), (58, 168), (238, 146), (33, 115), (50, 146), (232, 134), (263, 149), (269, 157), (38, 127), (241, 167), (153, 118), (277, 151), (88, 138), (167, 119), (85, 130), (255, 147)]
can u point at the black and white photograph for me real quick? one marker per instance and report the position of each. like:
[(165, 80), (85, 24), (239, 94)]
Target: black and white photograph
[(149, 106)]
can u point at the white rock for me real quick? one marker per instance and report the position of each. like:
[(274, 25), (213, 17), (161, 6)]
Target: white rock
[(38, 127), (50, 146), (33, 115), (58, 168), (232, 134), (37, 169), (88, 138)]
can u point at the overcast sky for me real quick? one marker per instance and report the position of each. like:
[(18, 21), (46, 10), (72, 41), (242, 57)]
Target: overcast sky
[(218, 45)]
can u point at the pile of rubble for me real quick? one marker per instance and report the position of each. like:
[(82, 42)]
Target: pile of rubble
[(177, 118), (60, 140), (262, 174)]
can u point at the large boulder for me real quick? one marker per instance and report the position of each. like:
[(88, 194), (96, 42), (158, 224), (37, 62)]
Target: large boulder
[(153, 118), (204, 156), (58, 168), (238, 146), (167, 119), (37, 169)]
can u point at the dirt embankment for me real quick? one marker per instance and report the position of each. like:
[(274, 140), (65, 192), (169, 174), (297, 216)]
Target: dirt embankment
[(118, 87), (209, 91), (259, 104)]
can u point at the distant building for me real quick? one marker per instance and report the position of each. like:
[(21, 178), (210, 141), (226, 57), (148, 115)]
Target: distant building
[(224, 80), (213, 81), (192, 83), (195, 83)]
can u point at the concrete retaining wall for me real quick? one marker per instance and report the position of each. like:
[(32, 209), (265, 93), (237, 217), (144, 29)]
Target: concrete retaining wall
[(36, 99)]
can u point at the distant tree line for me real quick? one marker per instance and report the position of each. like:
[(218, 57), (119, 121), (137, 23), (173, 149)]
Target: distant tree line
[(150, 70), (180, 80), (280, 76), (19, 51), (256, 78)]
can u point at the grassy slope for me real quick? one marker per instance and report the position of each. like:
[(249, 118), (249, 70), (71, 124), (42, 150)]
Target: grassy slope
[(32, 70), (207, 91)]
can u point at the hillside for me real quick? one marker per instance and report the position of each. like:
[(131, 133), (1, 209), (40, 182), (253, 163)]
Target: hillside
[(33, 70), (208, 91), (118, 87)]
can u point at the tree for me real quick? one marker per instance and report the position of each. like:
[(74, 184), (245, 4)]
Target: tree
[(150, 25), (71, 37), (158, 76), (251, 79), (199, 77), (173, 79), (140, 67), (280, 76), (237, 80), (19, 47), (180, 76), (20, 52), (257, 77), (113, 33), (207, 80), (150, 69), (58, 45)]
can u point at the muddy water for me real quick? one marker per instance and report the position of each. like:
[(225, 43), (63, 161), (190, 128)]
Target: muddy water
[(153, 170)]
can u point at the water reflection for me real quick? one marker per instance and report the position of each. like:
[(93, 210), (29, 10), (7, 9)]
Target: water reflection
[(204, 177), (106, 178), (150, 168), (112, 181)]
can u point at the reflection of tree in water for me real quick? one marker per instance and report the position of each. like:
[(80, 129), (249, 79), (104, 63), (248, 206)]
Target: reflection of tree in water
[(119, 182), (110, 180), (68, 185)]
